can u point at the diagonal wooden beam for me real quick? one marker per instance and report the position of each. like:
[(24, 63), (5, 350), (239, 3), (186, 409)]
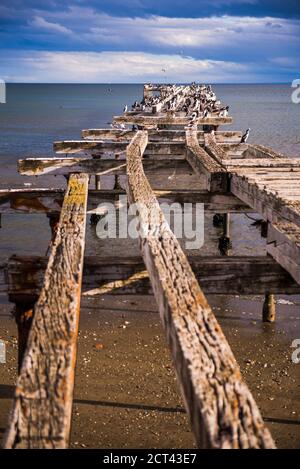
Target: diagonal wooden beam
[(203, 163), (41, 413), (222, 410)]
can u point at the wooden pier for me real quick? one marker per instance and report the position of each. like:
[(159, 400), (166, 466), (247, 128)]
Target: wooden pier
[(172, 127)]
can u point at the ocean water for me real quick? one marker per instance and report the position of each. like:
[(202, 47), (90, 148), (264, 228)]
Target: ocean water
[(36, 115)]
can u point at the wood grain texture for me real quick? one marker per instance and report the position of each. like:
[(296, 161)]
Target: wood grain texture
[(222, 410), (41, 413)]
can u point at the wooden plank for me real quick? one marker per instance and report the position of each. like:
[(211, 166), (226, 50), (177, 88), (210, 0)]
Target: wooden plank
[(229, 137), (261, 151), (235, 165), (64, 166), (283, 244), (268, 204), (41, 414), (241, 275), (42, 200), (213, 149), (150, 120), (222, 410), (100, 147), (203, 163)]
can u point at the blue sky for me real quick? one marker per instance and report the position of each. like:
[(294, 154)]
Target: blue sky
[(114, 41)]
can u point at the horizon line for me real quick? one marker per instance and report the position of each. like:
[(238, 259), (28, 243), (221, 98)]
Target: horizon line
[(146, 82)]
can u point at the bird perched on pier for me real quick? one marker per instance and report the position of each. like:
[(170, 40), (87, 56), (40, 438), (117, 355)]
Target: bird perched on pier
[(125, 108), (245, 136), (193, 119), (224, 112)]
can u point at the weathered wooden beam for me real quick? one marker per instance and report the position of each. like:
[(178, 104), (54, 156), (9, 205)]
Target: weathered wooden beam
[(203, 163), (150, 120), (98, 147), (41, 413), (268, 204), (213, 149), (282, 163), (222, 410), (239, 275), (229, 137), (261, 151), (283, 244), (64, 166), (42, 200)]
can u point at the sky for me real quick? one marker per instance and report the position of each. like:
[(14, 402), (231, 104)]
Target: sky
[(135, 41)]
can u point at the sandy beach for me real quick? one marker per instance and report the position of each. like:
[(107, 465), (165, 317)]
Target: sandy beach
[(126, 393)]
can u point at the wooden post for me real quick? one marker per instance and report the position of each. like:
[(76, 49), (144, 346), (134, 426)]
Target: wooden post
[(269, 308), (224, 241), (97, 182)]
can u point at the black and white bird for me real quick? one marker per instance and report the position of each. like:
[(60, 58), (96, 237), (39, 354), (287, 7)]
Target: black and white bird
[(125, 108), (245, 136)]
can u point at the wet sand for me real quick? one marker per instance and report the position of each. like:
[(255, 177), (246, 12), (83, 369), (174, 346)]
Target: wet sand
[(126, 394)]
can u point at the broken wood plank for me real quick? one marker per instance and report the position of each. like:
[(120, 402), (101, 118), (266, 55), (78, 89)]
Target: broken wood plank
[(41, 413), (222, 410)]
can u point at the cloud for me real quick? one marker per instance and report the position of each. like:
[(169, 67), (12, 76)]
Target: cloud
[(40, 23), (116, 67), (227, 34)]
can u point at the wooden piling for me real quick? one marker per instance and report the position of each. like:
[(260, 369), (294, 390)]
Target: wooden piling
[(269, 308)]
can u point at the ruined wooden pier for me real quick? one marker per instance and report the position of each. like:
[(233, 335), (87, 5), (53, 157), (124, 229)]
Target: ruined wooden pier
[(173, 127)]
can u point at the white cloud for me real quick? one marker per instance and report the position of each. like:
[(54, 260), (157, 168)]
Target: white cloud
[(100, 29), (118, 67), (41, 23)]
